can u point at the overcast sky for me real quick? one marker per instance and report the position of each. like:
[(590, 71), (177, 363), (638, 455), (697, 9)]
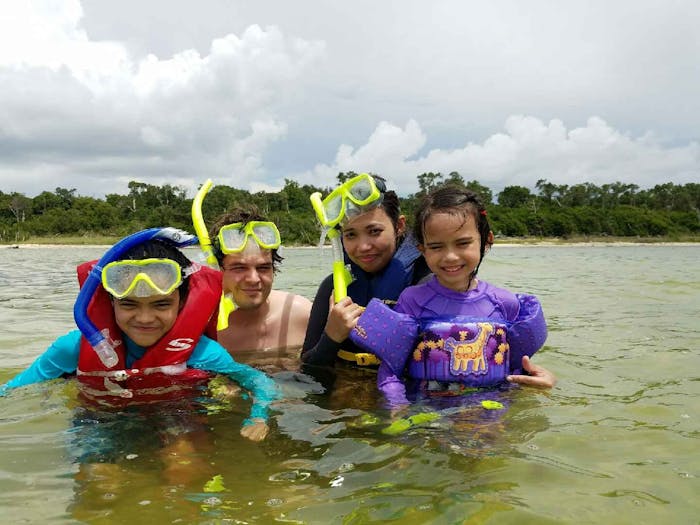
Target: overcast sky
[(94, 94)]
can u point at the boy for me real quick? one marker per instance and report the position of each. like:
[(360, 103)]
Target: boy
[(152, 307)]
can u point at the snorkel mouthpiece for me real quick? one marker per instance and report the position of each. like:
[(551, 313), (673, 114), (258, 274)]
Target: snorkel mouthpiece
[(102, 346)]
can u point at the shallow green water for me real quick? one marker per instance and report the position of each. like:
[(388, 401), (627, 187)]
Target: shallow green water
[(615, 442)]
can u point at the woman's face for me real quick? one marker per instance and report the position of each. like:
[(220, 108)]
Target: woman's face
[(370, 239)]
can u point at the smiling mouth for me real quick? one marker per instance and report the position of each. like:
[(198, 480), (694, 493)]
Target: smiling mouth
[(146, 328)]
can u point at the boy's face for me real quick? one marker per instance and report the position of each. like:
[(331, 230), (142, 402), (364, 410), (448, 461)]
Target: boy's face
[(146, 319)]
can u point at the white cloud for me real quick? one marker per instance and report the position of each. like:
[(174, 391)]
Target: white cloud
[(85, 114), (94, 94), (528, 150)]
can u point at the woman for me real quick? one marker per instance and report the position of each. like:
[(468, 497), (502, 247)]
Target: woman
[(383, 261)]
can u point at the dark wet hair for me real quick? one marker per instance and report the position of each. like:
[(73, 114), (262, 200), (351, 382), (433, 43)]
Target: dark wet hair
[(159, 249), (458, 201), (390, 201), (244, 216)]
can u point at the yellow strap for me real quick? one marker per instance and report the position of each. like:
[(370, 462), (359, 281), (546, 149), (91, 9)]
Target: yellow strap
[(360, 358)]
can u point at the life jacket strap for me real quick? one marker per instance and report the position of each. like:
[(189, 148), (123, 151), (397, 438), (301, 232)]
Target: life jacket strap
[(359, 358)]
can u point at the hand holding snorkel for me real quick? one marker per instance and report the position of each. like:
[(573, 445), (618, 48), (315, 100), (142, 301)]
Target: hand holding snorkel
[(351, 198)]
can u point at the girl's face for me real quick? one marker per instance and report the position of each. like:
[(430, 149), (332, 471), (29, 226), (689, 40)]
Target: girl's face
[(370, 239), (146, 319), (452, 249)]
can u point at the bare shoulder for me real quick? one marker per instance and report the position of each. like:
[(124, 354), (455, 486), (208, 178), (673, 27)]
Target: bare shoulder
[(299, 305)]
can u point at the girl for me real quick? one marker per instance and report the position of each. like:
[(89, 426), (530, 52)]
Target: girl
[(471, 332), (383, 262)]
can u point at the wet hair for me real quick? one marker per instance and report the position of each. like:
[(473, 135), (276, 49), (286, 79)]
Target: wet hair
[(390, 202), (159, 249), (244, 216), (458, 201)]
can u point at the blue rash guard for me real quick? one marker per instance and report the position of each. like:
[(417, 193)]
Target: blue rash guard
[(61, 358)]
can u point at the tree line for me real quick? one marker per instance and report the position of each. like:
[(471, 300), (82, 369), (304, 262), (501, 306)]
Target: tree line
[(551, 210)]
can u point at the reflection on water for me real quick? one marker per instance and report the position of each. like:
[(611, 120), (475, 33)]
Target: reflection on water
[(616, 441)]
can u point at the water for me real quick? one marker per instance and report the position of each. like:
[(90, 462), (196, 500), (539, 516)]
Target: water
[(615, 442)]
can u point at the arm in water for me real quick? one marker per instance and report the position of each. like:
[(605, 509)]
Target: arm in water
[(211, 356), (60, 358), (537, 376)]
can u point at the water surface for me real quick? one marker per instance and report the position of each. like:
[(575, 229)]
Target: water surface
[(615, 442)]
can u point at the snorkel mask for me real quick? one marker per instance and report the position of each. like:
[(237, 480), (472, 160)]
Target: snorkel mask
[(142, 277), (233, 238), (125, 277), (352, 198)]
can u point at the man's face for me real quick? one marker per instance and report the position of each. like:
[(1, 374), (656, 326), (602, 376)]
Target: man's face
[(248, 276), (146, 319)]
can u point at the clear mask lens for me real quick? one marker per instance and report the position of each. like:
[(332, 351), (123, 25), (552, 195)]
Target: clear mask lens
[(360, 191), (232, 240), (266, 236), (141, 278)]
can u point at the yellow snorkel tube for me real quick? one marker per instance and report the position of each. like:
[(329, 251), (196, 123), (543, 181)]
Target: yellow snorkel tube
[(341, 275), (200, 227), (226, 304)]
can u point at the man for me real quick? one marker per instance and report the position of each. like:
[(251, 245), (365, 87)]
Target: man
[(245, 245)]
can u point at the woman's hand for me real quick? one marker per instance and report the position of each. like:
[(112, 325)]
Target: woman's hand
[(342, 318), (257, 431), (538, 375)]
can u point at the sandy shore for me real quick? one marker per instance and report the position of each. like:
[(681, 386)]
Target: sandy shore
[(505, 243), (593, 243), (34, 246)]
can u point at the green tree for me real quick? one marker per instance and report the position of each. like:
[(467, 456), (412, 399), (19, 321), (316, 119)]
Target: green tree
[(482, 191), (428, 181), (514, 196), (455, 178)]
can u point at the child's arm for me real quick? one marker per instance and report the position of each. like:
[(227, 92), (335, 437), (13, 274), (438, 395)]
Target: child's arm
[(526, 336), (210, 355), (390, 336), (60, 358), (537, 375), (391, 386)]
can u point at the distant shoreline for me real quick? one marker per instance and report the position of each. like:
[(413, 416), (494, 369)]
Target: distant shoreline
[(505, 243)]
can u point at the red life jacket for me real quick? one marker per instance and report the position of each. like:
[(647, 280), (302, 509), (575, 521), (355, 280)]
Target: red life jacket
[(162, 372)]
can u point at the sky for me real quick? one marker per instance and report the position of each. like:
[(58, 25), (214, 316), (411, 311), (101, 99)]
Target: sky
[(95, 94)]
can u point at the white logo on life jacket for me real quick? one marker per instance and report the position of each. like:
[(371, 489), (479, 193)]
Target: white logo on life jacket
[(178, 345)]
